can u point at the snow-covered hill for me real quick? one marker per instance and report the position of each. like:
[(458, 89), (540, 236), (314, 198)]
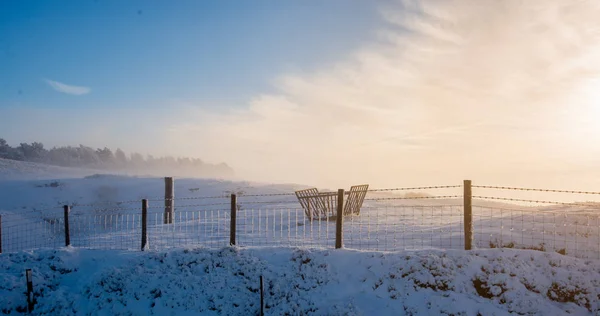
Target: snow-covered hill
[(22, 170), (301, 282)]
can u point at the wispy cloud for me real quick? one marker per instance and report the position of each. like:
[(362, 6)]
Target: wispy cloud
[(68, 89), (450, 89), (430, 92)]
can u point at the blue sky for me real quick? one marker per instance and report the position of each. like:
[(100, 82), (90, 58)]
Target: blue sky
[(141, 53), (305, 91)]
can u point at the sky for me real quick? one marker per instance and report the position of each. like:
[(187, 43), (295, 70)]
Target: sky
[(330, 93)]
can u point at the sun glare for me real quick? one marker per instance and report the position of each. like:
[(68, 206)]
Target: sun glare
[(583, 123)]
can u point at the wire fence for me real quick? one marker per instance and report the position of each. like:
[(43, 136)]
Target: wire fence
[(32, 230), (403, 227), (426, 217), (282, 227), (569, 231)]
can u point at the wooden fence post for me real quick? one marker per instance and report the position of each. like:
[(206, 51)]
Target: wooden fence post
[(169, 202), (144, 223), (468, 210), (67, 232), (29, 279), (262, 297), (0, 233), (339, 220), (233, 219)]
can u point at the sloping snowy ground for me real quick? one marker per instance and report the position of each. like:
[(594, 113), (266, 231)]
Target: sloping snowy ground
[(19, 170), (301, 282)]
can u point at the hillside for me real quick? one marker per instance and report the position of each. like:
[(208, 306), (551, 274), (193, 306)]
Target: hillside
[(23, 170), (198, 281)]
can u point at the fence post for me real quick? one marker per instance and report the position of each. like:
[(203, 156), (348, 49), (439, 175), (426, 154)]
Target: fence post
[(144, 223), (29, 279), (0, 233), (468, 210), (169, 202), (232, 222), (339, 220), (262, 297), (67, 232)]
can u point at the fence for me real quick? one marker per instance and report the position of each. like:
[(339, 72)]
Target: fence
[(459, 217)]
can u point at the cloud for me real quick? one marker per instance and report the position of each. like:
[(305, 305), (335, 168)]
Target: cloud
[(68, 89), (448, 89), (427, 98)]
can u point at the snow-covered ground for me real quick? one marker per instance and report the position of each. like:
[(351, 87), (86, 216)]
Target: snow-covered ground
[(420, 267), (199, 281), (106, 214), (22, 170)]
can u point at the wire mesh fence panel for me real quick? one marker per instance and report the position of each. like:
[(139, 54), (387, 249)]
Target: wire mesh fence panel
[(389, 220), (32, 230), (565, 230), (106, 231), (400, 227), (283, 227), (206, 228)]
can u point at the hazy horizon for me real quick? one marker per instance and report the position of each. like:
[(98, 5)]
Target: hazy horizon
[(385, 92)]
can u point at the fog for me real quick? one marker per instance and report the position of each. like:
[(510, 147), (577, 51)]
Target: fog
[(501, 92)]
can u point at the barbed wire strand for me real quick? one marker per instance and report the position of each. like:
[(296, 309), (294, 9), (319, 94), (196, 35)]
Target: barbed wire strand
[(267, 194), (268, 202), (533, 189), (416, 188), (417, 198), (191, 198), (189, 205), (535, 201)]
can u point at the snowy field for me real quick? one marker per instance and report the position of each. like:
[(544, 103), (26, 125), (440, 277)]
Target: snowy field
[(199, 281), (402, 256), (106, 214)]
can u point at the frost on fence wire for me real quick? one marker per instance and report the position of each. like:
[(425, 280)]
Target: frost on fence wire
[(569, 230), (32, 230), (401, 227)]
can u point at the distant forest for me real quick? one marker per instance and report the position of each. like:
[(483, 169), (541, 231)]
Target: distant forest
[(106, 159)]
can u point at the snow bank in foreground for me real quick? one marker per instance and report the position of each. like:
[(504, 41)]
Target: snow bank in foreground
[(301, 282)]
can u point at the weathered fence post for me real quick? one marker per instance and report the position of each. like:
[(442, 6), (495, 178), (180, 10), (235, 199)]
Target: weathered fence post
[(169, 202), (232, 222), (0, 233), (144, 223), (29, 279), (339, 220), (262, 297), (67, 232), (468, 210)]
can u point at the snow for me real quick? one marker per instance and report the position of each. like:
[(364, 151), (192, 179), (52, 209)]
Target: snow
[(400, 257), (23, 170), (300, 281), (106, 214)]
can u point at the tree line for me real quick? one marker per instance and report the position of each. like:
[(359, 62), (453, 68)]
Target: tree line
[(106, 159)]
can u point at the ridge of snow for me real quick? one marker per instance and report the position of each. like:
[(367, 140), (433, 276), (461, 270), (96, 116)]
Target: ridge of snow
[(301, 282)]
